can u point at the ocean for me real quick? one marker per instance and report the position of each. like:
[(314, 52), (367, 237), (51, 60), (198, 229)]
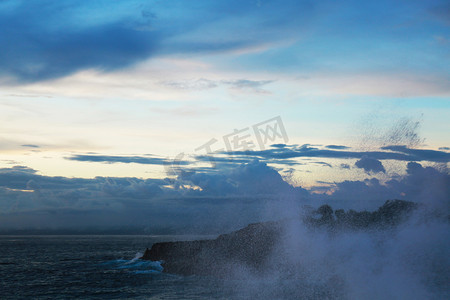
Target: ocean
[(409, 262), (93, 267)]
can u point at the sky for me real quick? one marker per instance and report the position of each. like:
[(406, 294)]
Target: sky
[(186, 114)]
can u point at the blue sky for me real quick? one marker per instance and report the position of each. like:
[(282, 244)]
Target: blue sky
[(103, 89)]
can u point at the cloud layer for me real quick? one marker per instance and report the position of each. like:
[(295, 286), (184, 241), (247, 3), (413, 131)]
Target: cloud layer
[(53, 39), (285, 155), (401, 153), (226, 199), (48, 39)]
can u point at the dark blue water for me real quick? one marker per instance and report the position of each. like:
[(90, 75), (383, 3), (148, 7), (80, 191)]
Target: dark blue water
[(411, 263), (92, 267)]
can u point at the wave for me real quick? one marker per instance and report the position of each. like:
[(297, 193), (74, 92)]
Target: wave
[(135, 265), (409, 262)]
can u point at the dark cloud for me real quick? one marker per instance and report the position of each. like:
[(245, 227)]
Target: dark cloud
[(229, 197), (337, 147), (370, 165), (421, 154), (424, 184), (21, 169), (232, 159), (126, 159), (225, 198), (368, 194), (278, 145), (42, 40), (281, 154), (322, 163), (30, 146), (253, 178), (401, 153), (48, 39)]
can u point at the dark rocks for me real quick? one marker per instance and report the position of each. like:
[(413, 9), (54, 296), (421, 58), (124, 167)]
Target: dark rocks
[(251, 246)]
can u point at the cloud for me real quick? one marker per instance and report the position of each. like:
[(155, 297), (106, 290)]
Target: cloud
[(229, 197), (75, 36), (426, 185), (401, 153), (278, 145), (322, 163), (198, 84), (362, 194), (125, 159), (231, 160), (337, 147), (30, 146), (370, 165), (421, 154), (23, 189), (254, 178), (221, 161), (225, 199), (67, 40), (280, 154), (254, 86), (79, 36)]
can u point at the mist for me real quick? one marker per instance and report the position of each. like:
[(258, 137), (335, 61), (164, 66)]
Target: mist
[(409, 261)]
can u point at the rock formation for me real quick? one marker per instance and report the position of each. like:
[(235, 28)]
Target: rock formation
[(252, 245)]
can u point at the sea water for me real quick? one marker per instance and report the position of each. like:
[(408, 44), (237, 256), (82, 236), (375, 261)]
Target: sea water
[(93, 267), (411, 261)]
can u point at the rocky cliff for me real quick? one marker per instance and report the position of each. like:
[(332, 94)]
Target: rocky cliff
[(251, 246)]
